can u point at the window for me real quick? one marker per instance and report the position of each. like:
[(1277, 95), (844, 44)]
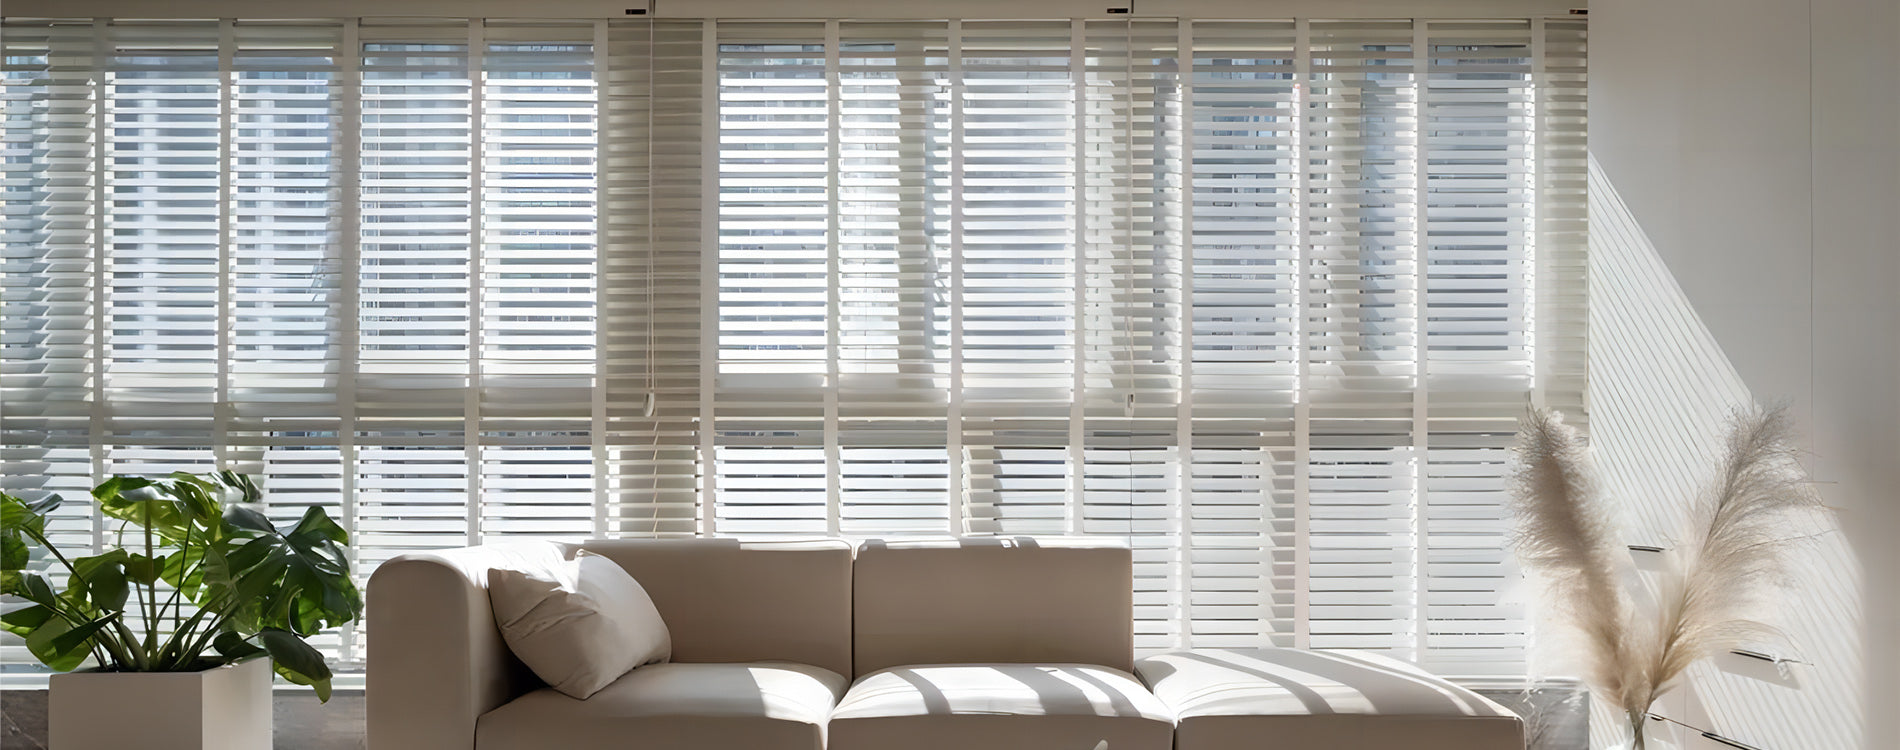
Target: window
[(1261, 298)]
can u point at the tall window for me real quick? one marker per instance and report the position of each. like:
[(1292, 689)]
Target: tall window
[(1262, 299)]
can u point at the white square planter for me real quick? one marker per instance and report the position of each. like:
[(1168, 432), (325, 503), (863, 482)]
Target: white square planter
[(228, 708)]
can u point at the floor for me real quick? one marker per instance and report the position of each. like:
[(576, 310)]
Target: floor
[(1560, 720), (301, 723)]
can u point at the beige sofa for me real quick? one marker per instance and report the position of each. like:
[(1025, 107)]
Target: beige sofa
[(981, 643)]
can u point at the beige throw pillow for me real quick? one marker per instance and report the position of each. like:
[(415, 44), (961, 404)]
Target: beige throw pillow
[(579, 625)]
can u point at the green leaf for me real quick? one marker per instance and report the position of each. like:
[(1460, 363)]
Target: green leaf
[(256, 590), (62, 647), (13, 551), (40, 643), (108, 490), (248, 519), (34, 588), (297, 661), (241, 485), (107, 589), (20, 523), (19, 518), (197, 498), (316, 590), (235, 647), (142, 569), (46, 504), (254, 553), (86, 565), (78, 641), (316, 525), (22, 622), (102, 578), (182, 571), (143, 502)]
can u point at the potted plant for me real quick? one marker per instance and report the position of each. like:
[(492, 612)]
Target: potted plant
[(184, 619)]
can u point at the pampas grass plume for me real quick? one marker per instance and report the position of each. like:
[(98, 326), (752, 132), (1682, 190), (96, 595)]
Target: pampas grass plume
[(1732, 561)]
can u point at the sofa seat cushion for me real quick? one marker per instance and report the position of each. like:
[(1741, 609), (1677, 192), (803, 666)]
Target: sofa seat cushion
[(675, 706), (1232, 699), (1000, 707)]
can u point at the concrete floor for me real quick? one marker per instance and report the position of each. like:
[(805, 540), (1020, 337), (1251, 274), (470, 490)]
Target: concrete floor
[(1560, 720), (300, 722)]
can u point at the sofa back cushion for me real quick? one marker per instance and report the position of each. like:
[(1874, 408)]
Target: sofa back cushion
[(988, 600), (726, 600)]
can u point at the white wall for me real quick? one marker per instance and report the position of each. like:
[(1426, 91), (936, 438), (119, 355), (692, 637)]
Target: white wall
[(1663, 393), (1754, 143)]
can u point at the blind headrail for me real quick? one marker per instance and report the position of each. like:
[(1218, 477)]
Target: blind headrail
[(810, 9)]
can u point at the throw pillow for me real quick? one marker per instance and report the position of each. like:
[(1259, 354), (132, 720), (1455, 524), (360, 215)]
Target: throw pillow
[(579, 625)]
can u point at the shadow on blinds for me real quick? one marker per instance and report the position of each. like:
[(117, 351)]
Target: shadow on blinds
[(1653, 415)]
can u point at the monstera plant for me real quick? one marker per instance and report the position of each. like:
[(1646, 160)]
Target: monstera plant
[(196, 578)]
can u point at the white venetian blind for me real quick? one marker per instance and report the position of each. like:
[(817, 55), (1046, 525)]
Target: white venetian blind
[(1478, 120), (1133, 316), (164, 300), (1360, 328), (539, 277), (283, 265), (50, 272), (416, 320), (773, 416), (49, 275), (647, 398), (1014, 209), (1242, 180), (892, 270), (1260, 298)]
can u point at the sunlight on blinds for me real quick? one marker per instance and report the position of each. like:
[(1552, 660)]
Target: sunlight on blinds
[(1260, 299)]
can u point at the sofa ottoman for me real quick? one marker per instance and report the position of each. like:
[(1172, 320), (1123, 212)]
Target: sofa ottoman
[(1227, 700)]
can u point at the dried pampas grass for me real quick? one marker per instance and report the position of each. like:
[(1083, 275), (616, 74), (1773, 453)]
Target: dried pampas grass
[(1565, 536), (1731, 562)]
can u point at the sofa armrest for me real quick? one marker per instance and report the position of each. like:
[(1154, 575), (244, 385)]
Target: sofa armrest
[(436, 660)]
